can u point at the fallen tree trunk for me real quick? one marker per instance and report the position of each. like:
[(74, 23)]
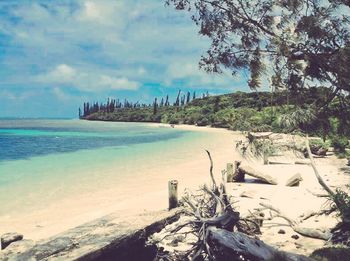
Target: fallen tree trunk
[(226, 245), (237, 174), (294, 180), (307, 232), (245, 169), (259, 135)]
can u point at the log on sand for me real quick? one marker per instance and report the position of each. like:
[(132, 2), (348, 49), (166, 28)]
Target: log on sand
[(307, 232), (234, 173), (294, 180), (226, 245), (245, 169)]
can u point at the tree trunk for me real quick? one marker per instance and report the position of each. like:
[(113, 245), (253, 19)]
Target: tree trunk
[(226, 245), (173, 200), (294, 180), (257, 174)]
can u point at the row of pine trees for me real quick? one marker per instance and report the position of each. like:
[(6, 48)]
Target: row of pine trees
[(114, 104)]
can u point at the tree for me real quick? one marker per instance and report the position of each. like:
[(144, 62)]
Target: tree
[(188, 98), (294, 41), (155, 106), (167, 101), (294, 44), (177, 102)]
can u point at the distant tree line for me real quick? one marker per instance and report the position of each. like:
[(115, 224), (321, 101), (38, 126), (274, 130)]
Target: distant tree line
[(112, 105)]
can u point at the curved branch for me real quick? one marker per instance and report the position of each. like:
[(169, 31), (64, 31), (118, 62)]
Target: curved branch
[(211, 171)]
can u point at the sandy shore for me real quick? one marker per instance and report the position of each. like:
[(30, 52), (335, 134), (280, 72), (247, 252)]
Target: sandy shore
[(148, 191), (294, 202), (145, 192)]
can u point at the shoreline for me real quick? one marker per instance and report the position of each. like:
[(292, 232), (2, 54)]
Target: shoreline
[(146, 192)]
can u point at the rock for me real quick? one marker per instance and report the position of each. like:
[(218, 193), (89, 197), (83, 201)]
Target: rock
[(8, 238), (294, 180), (18, 247), (247, 194), (348, 161), (295, 237), (298, 245), (281, 231)]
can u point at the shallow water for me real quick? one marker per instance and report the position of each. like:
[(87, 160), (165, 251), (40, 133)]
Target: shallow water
[(42, 161)]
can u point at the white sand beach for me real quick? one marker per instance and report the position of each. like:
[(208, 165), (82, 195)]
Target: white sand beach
[(147, 190), (136, 192)]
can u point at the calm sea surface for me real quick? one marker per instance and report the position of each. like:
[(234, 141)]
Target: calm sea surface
[(45, 160)]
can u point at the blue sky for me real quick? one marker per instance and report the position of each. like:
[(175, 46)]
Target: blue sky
[(54, 55)]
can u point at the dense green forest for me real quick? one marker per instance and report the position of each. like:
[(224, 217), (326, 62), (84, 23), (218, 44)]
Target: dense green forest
[(254, 111)]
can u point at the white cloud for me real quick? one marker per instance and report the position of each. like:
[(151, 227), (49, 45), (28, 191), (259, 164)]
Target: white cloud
[(61, 95), (90, 81), (101, 45), (101, 11), (196, 77), (118, 83)]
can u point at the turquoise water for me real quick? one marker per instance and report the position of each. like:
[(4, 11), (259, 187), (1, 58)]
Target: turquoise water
[(46, 160)]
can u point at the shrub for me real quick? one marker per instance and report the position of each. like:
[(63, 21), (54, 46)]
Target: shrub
[(342, 201), (339, 143), (203, 122)]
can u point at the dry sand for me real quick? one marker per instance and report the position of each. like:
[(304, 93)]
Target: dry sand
[(294, 202), (146, 191), (149, 192)]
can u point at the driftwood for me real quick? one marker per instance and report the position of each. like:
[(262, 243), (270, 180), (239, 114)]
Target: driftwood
[(294, 180), (227, 245), (308, 215), (259, 135), (302, 162), (313, 165), (245, 169), (237, 174), (338, 202), (172, 190), (210, 209), (230, 172), (213, 220), (308, 232)]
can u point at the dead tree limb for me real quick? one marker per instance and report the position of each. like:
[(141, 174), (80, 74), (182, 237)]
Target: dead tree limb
[(257, 174), (226, 245), (339, 203), (308, 232), (313, 165), (211, 171)]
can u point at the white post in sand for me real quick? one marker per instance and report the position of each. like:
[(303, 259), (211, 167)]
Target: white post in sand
[(172, 187)]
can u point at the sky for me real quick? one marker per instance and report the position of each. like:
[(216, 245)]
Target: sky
[(55, 55)]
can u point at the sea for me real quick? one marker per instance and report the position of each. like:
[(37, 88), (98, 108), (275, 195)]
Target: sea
[(46, 160), (57, 174)]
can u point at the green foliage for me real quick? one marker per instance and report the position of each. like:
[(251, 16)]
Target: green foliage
[(257, 111), (317, 144), (262, 147), (342, 201), (301, 40), (339, 143)]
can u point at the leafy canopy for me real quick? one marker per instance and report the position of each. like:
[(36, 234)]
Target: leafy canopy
[(296, 43)]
